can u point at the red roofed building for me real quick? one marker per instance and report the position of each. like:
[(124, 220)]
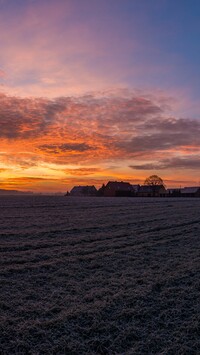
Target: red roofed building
[(115, 188)]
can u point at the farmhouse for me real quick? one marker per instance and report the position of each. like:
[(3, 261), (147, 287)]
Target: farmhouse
[(135, 188), (83, 191), (115, 188), (190, 192), (152, 191), (174, 192)]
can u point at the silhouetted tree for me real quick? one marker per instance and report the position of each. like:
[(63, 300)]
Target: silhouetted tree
[(154, 180)]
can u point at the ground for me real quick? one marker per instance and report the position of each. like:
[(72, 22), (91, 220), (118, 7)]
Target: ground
[(112, 276)]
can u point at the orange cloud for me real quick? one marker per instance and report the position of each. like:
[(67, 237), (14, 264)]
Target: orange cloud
[(38, 135), (83, 171)]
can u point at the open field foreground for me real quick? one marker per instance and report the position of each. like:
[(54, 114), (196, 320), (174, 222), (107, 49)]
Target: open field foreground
[(99, 276)]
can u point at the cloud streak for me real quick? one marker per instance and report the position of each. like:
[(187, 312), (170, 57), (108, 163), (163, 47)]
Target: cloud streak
[(191, 162), (83, 171), (65, 147)]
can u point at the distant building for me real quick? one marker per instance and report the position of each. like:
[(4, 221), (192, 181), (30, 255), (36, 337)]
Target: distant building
[(174, 192), (83, 191), (115, 188), (152, 191), (135, 188), (190, 191)]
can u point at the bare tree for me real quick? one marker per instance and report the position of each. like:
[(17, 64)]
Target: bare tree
[(154, 180)]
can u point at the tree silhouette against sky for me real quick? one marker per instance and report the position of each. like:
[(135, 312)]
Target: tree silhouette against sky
[(154, 180)]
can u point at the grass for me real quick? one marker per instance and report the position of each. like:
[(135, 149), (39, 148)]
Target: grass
[(123, 279)]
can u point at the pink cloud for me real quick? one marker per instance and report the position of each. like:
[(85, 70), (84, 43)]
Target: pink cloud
[(2, 74), (45, 53)]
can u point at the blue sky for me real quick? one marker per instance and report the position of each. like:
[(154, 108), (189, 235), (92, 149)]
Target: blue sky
[(141, 44)]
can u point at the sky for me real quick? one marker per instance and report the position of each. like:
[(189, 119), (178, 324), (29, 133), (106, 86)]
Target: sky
[(92, 91)]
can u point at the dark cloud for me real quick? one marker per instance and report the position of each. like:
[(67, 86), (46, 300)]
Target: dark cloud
[(66, 147), (26, 118), (163, 135), (171, 163)]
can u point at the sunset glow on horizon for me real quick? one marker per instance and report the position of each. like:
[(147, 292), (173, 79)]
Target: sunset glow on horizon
[(93, 91)]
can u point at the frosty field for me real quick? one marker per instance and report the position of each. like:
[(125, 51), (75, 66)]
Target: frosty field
[(99, 275)]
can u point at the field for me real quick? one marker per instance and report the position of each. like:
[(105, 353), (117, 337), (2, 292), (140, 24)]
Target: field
[(99, 276)]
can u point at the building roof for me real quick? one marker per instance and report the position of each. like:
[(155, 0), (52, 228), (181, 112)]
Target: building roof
[(136, 187), (83, 190), (190, 190), (116, 185), (151, 188), (174, 189)]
